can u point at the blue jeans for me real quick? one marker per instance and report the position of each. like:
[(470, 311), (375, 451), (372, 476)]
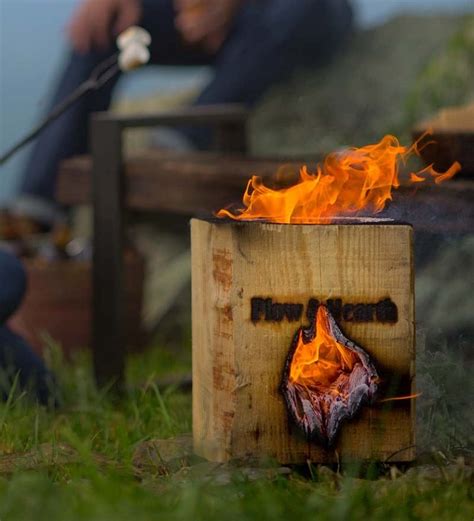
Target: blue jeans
[(17, 359), (268, 40)]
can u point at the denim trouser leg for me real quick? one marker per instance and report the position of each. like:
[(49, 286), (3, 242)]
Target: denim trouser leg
[(272, 37), (269, 40), (16, 357)]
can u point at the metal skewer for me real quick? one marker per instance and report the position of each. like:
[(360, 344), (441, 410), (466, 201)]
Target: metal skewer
[(103, 73)]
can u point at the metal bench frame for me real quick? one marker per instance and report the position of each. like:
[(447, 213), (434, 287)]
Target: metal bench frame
[(229, 123)]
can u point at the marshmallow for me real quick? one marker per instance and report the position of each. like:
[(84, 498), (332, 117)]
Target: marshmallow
[(134, 55), (131, 35)]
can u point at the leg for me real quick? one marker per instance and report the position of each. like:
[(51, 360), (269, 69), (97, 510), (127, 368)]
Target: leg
[(16, 357), (270, 39)]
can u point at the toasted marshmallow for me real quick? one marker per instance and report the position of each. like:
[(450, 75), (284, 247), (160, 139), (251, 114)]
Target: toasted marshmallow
[(131, 35), (133, 56)]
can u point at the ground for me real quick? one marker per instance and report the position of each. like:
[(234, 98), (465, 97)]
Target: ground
[(86, 461)]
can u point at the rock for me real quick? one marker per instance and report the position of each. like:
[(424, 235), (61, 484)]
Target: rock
[(163, 457), (161, 463), (326, 474), (362, 94)]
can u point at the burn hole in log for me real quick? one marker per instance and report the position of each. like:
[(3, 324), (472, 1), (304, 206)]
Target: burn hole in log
[(326, 379)]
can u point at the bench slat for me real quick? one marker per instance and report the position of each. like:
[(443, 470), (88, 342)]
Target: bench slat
[(179, 183), (201, 183)]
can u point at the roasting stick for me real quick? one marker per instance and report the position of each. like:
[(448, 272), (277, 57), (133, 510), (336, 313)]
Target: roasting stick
[(133, 44), (99, 77)]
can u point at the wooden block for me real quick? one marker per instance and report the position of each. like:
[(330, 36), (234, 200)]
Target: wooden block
[(240, 345)]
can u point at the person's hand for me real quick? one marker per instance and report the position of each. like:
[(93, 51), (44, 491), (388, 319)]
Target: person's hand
[(96, 22), (205, 22)]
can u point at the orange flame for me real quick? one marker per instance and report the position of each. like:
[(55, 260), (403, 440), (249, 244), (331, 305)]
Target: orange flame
[(397, 398), (347, 182), (322, 361), (327, 378)]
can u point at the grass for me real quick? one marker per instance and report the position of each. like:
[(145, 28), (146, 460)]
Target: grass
[(100, 482)]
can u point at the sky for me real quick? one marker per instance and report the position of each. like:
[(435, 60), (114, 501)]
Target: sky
[(36, 27)]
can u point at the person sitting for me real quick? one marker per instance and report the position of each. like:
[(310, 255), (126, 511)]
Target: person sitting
[(249, 44)]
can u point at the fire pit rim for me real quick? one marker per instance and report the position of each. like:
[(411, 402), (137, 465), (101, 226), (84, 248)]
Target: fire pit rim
[(338, 221)]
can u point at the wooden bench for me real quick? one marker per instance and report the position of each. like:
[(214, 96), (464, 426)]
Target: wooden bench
[(199, 184), (183, 184), (192, 184)]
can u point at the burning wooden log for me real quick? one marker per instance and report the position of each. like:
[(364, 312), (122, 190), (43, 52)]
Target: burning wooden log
[(254, 284)]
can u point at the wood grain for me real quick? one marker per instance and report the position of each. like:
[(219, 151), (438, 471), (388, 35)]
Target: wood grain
[(238, 411), (186, 184)]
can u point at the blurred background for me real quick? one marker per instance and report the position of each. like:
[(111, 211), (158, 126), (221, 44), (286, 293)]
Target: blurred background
[(407, 60)]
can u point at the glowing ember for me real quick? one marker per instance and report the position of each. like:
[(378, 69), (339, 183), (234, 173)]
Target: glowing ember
[(346, 183), (327, 378)]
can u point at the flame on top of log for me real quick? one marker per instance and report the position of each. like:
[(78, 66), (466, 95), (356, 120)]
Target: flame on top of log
[(346, 183)]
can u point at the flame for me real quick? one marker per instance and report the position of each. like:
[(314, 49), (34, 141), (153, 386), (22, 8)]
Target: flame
[(397, 398), (327, 379), (323, 360), (414, 178), (347, 182)]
